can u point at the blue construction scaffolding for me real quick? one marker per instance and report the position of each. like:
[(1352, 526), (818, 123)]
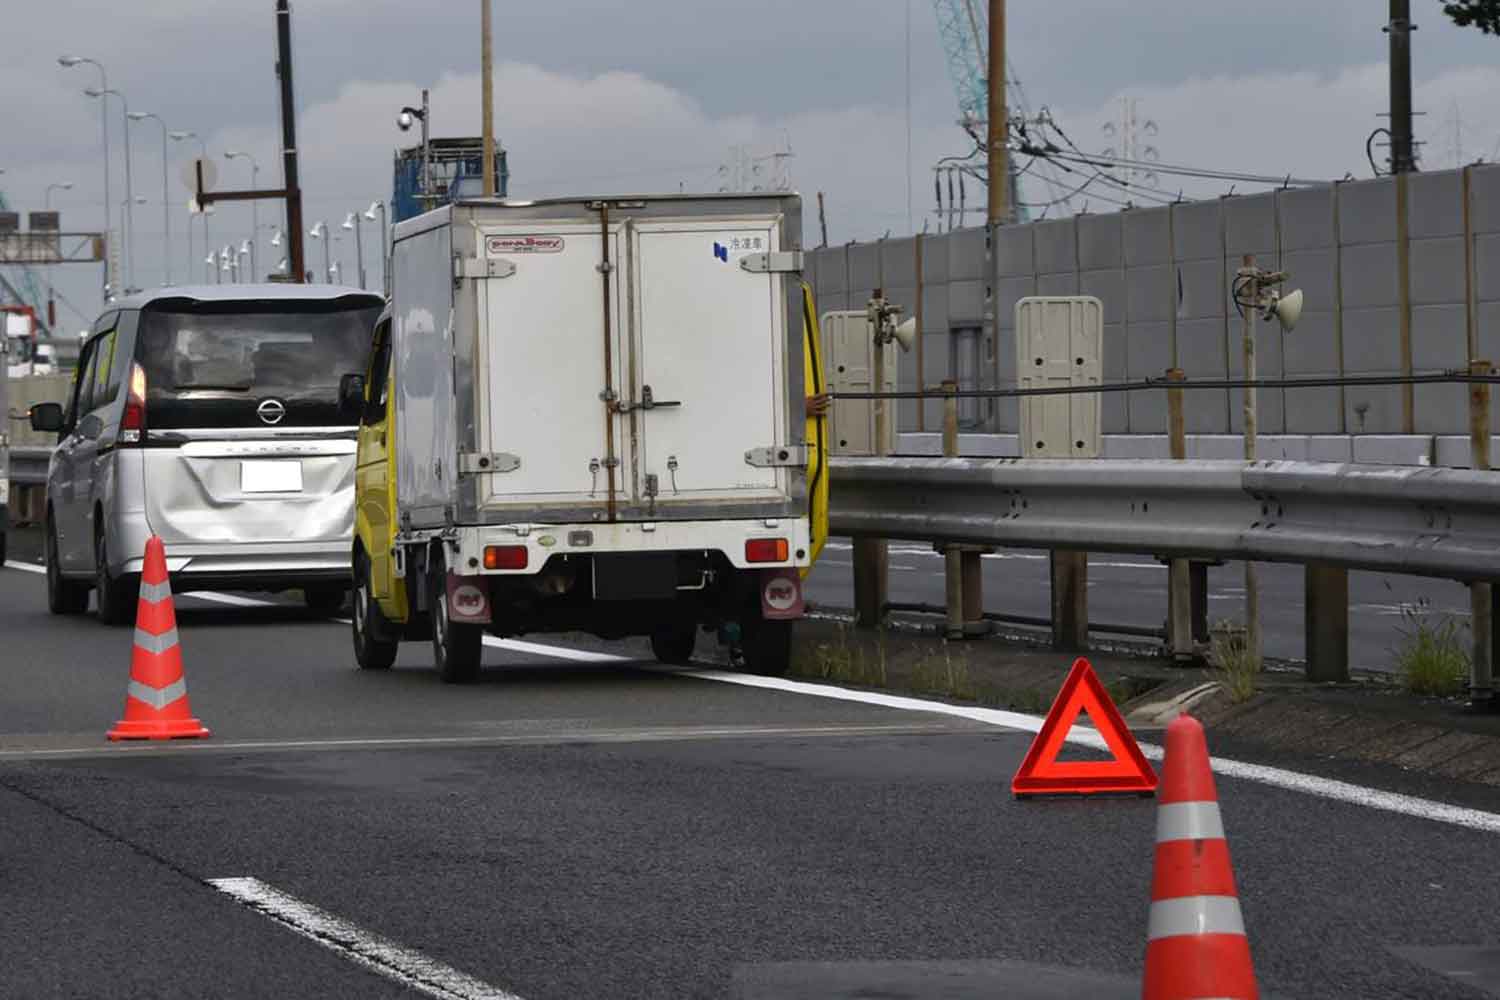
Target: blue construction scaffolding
[(456, 170)]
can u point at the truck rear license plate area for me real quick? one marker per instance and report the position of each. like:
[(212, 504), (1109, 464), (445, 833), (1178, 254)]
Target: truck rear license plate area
[(647, 576)]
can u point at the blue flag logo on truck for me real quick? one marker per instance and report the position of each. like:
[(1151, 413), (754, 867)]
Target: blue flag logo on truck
[(721, 251)]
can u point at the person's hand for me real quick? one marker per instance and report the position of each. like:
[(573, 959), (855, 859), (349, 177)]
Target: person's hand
[(817, 406)]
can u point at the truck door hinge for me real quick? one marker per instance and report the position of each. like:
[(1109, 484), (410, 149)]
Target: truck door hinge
[(481, 267), (785, 456), (500, 461), (776, 262)]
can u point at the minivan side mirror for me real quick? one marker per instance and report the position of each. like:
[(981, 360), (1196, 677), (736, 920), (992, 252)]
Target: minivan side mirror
[(351, 395), (47, 417)]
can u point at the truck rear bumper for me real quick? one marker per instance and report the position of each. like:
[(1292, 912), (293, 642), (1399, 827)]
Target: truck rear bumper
[(545, 541)]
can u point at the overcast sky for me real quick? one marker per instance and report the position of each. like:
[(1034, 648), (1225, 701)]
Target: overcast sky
[(652, 95)]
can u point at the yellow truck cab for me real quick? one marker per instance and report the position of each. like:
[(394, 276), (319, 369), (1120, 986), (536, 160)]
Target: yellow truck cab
[(590, 416)]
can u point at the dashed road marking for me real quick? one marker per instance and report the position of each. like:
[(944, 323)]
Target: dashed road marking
[(380, 955)]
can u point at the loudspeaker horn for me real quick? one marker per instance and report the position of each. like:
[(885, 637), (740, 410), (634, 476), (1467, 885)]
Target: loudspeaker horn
[(1289, 310), (906, 333)]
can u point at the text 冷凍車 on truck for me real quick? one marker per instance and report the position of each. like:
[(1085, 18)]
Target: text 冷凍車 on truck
[(586, 415)]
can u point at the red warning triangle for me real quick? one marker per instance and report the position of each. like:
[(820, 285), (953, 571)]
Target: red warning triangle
[(1041, 773)]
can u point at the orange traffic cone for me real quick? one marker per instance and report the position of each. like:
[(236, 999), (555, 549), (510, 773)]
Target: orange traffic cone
[(1196, 946), (156, 701)]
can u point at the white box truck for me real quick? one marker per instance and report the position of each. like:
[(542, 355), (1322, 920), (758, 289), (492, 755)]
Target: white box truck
[(588, 415)]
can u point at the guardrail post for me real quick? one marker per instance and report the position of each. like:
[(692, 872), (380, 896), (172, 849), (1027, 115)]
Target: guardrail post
[(1070, 600), (872, 565), (1326, 623), (1198, 583), (953, 563), (1179, 577), (1481, 595)]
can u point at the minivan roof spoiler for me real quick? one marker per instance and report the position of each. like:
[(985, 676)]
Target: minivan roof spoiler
[(262, 292)]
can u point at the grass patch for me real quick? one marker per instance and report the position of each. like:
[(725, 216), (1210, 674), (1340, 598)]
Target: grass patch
[(1432, 658), (945, 675), (1234, 665), (843, 662)]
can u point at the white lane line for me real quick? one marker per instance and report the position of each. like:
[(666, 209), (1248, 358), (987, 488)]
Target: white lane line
[(1327, 788), (370, 951), (1308, 784), (679, 734)]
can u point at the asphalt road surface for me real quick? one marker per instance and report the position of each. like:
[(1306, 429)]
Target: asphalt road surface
[(1132, 591), (578, 825)]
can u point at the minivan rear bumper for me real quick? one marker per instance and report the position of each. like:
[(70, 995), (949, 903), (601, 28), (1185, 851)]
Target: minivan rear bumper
[(262, 566)]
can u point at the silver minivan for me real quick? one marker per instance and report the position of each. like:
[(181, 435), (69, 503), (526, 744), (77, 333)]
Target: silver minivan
[(209, 416)]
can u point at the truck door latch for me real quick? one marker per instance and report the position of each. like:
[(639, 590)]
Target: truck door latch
[(648, 401)]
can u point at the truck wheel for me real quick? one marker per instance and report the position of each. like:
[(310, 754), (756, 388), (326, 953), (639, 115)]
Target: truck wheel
[(115, 595), (64, 596), (767, 647), (674, 644), (456, 649), (372, 649)]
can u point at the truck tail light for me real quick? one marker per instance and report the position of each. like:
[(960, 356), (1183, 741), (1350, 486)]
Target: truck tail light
[(505, 557), (133, 423), (766, 550)]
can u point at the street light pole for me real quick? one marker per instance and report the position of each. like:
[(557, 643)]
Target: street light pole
[(254, 205), (352, 222), (70, 61), (203, 209), (385, 250), (129, 219), (320, 232), (166, 214), (487, 98)]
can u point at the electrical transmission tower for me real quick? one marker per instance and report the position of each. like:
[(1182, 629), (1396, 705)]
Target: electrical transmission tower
[(1134, 146)]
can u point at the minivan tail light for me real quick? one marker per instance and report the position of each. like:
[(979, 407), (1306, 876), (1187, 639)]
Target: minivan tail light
[(133, 423), (766, 550)]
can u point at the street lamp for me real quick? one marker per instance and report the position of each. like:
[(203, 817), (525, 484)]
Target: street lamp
[(166, 214), (127, 214), (235, 154), (204, 210), (47, 197), (69, 62), (129, 221), (352, 222), (379, 206), (320, 232)]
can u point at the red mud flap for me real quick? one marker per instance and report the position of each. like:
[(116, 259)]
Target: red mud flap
[(781, 595), (468, 600)]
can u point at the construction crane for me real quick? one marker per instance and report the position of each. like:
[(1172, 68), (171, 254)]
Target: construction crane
[(24, 289), (963, 26)]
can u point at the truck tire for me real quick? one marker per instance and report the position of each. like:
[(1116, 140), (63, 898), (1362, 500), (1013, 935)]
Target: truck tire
[(64, 596), (456, 649), (767, 647), (674, 644), (373, 647), (115, 596)]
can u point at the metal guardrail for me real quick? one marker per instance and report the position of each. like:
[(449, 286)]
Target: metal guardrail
[(1422, 521), (28, 466)]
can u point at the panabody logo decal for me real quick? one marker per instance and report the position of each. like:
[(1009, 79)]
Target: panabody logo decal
[(496, 245)]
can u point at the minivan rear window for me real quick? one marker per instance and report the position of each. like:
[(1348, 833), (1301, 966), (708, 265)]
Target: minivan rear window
[(227, 364)]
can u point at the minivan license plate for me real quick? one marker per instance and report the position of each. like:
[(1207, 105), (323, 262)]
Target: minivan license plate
[(271, 477)]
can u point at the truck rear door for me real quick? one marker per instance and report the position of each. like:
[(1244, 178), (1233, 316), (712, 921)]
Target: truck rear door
[(541, 360), (709, 381)]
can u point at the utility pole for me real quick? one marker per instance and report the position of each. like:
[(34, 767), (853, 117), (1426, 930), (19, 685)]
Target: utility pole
[(1403, 159), (1251, 275), (296, 263), (822, 220), (487, 75), (999, 168)]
